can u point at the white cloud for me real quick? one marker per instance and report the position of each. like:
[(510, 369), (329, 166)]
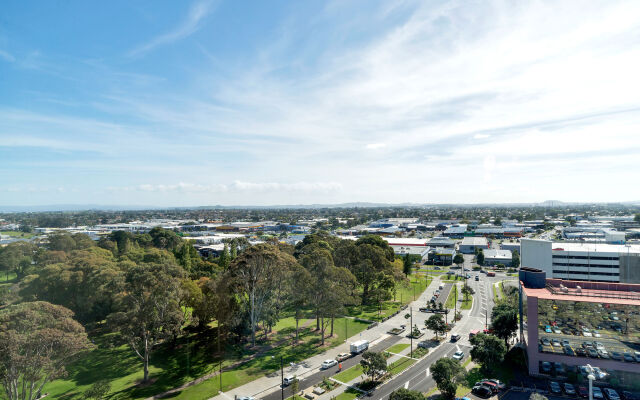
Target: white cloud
[(481, 136), (375, 146), (187, 27), (7, 56)]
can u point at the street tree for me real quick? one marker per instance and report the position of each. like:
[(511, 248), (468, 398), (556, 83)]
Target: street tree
[(504, 320), (406, 265), (149, 308), (447, 373), (374, 365), (436, 324), (488, 350), (467, 291), (515, 259), (480, 258), (37, 340), (406, 394), (458, 260)]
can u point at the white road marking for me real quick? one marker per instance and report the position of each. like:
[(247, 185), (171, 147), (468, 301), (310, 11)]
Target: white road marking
[(427, 372), (406, 385)]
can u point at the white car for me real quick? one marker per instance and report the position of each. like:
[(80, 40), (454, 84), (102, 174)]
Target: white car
[(246, 398), (599, 345), (458, 355), (328, 364), (587, 334)]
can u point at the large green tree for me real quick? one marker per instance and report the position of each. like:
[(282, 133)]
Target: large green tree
[(488, 350), (37, 340), (436, 324), (374, 365), (504, 320), (447, 373), (406, 394), (149, 308)]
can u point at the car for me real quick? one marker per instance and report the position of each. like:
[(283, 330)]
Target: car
[(545, 341), (559, 368), (569, 351), (423, 309), (328, 364), (628, 357), (580, 352), (488, 384), (424, 344), (547, 329), (585, 329), (627, 395), (458, 355), (546, 367), (482, 391), (246, 398), (554, 387), (555, 342), (583, 391), (611, 394), (593, 353), (288, 380), (587, 345), (498, 383), (636, 355), (568, 389), (343, 356), (599, 345), (557, 330), (596, 334), (616, 355), (603, 354), (565, 342), (587, 334), (477, 278), (566, 331), (597, 393), (455, 337)]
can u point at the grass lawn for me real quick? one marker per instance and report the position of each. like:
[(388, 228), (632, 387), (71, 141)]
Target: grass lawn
[(7, 279), (349, 374), (420, 352), (400, 365), (451, 298), (348, 394), (18, 234), (495, 294), (466, 304), (397, 348)]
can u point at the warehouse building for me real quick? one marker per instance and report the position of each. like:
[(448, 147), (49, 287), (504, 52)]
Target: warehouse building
[(495, 257), (407, 245), (583, 261), (469, 245)]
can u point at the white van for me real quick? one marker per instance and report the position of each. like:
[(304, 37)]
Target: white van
[(288, 380), (359, 346), (441, 286)]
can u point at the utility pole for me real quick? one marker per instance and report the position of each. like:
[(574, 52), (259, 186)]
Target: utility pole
[(281, 378), (411, 337)]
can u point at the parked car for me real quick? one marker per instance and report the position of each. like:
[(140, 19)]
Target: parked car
[(599, 345), (482, 391), (343, 356), (597, 393), (611, 394), (501, 385), (328, 364), (569, 351), (555, 342), (546, 367), (581, 352), (636, 355), (627, 395), (583, 391), (424, 344), (545, 341), (458, 355), (246, 398), (569, 389), (628, 357), (603, 354), (616, 355), (587, 344), (565, 342), (423, 309), (593, 353), (559, 368), (547, 329), (554, 387), (489, 385), (566, 331), (596, 334)]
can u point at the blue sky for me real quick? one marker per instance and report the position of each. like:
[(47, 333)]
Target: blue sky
[(166, 103)]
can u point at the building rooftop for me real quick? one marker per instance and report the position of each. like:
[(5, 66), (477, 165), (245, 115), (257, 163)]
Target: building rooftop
[(595, 247), (590, 292), (493, 253), (474, 241)]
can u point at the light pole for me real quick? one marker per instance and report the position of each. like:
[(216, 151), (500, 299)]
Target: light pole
[(411, 325), (591, 378), (281, 377)]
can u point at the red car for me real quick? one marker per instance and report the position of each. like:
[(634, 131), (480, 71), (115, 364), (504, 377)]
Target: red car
[(583, 391)]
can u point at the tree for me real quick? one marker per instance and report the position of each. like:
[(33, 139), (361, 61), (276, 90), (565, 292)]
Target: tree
[(488, 350), (447, 373), (515, 259), (467, 291), (458, 259), (17, 257), (259, 276), (374, 365), (504, 320), (406, 265), (406, 394), (480, 257), (295, 386), (37, 340), (537, 396), (436, 324), (636, 218), (149, 308), (497, 221)]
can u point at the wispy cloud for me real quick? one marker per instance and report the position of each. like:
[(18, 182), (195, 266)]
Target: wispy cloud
[(237, 186), (7, 56), (191, 23)]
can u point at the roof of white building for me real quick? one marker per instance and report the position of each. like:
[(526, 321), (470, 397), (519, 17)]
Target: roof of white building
[(595, 247), (500, 254)]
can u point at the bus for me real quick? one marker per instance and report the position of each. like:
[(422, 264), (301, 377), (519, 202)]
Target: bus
[(491, 273), (473, 333)]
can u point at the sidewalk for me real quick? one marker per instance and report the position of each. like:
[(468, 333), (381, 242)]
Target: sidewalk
[(267, 385)]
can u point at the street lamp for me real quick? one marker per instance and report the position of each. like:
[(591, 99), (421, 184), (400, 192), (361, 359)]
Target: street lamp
[(281, 377), (591, 378)]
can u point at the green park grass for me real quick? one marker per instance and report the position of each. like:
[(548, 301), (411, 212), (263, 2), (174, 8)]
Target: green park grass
[(451, 299), (397, 348), (348, 394), (400, 365), (350, 374), (17, 234), (7, 278)]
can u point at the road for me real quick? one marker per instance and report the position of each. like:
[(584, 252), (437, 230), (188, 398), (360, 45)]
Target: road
[(418, 377)]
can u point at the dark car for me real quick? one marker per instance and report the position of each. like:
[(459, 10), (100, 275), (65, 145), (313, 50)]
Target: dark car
[(482, 391), (587, 345), (615, 355), (546, 367), (603, 354), (592, 353), (455, 337), (569, 351), (565, 342), (569, 389), (583, 391), (627, 395), (545, 341), (628, 357), (566, 331), (581, 352), (554, 387)]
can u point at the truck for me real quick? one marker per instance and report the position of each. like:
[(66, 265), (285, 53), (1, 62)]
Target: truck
[(491, 273), (359, 346), (441, 287)]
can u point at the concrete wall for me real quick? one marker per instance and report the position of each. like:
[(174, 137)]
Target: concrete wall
[(629, 268), (536, 254)]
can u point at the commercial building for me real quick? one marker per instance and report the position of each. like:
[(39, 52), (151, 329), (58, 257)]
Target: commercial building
[(438, 256), (511, 246), (495, 257), (571, 324), (441, 241), (470, 244), (583, 261), (456, 231), (407, 245)]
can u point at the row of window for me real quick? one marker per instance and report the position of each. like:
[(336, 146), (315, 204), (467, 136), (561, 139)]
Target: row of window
[(557, 264), (585, 257), (555, 271)]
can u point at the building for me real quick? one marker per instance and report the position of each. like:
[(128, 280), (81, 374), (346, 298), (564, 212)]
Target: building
[(469, 245), (495, 257), (407, 245), (583, 261), (598, 322), (438, 256), (456, 231), (511, 246), (441, 241)]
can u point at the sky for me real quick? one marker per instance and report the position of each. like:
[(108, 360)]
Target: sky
[(205, 102)]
